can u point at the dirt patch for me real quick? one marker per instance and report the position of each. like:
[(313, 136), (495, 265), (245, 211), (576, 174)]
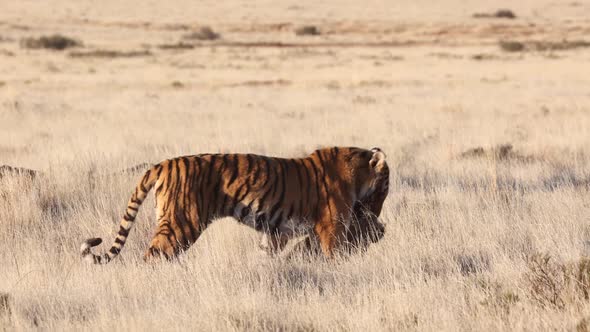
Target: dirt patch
[(256, 83), (560, 46), (484, 56), (511, 46), (541, 46), (5, 39), (53, 42), (109, 54), (500, 13), (5, 306), (445, 55), (176, 46), (6, 53), (307, 30), (278, 44), (177, 85), (204, 33)]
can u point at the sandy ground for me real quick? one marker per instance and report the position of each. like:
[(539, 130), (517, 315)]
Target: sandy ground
[(424, 82)]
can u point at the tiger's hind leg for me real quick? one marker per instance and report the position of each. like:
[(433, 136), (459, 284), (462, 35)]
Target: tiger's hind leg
[(164, 243), (170, 239)]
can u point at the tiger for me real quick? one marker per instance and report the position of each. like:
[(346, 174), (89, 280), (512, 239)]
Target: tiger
[(278, 197)]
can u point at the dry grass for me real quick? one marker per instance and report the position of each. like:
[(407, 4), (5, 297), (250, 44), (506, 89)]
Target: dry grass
[(489, 163)]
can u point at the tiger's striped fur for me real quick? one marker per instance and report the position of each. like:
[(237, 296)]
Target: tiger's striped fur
[(272, 195)]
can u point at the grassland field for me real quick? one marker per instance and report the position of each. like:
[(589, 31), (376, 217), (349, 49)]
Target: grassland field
[(484, 121)]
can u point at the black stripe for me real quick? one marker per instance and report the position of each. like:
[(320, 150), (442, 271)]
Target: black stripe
[(279, 203), (300, 182), (277, 221), (236, 164), (260, 221), (335, 152), (115, 251), (123, 232), (211, 169), (245, 193), (166, 185), (184, 184), (178, 184), (245, 212), (211, 208), (217, 187), (190, 192), (267, 169), (169, 175), (197, 186), (257, 173), (127, 217), (277, 173), (204, 190), (145, 178), (325, 175), (298, 173), (290, 213), (317, 183), (223, 208), (236, 194), (180, 220), (142, 187), (249, 167), (261, 202), (119, 241), (307, 185), (186, 198), (132, 208)]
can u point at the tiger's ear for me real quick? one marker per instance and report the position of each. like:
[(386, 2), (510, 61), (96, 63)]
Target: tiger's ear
[(378, 157)]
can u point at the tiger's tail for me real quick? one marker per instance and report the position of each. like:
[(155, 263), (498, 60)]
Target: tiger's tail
[(141, 191)]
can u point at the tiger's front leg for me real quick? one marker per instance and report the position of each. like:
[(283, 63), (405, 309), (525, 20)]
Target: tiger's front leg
[(330, 229)]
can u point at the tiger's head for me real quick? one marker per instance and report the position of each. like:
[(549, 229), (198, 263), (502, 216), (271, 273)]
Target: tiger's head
[(368, 172), (370, 179)]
